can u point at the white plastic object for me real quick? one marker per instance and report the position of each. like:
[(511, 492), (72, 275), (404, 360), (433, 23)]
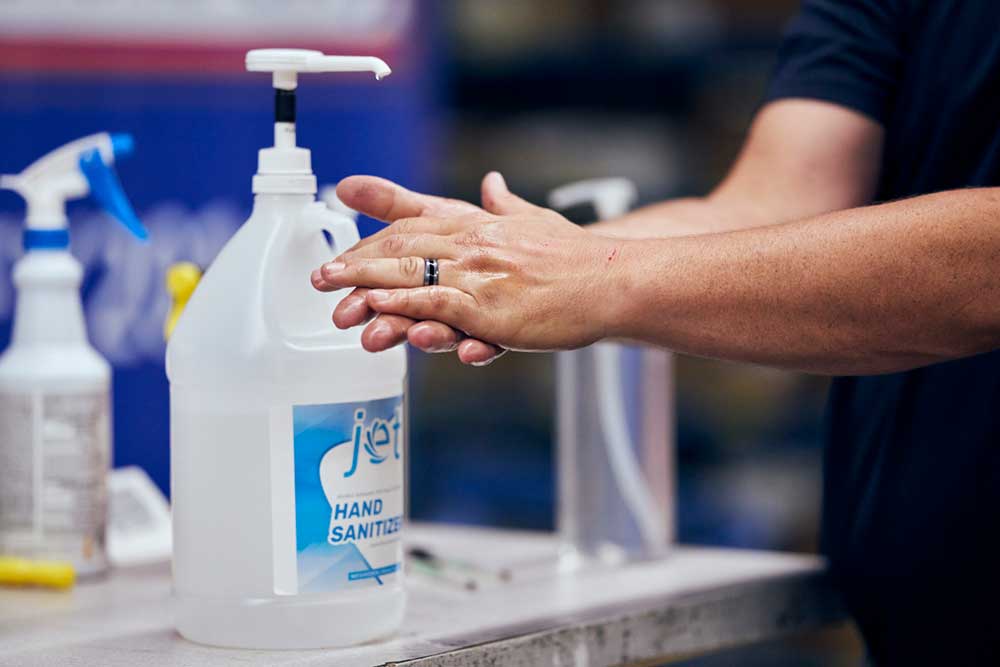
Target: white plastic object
[(55, 389), (648, 514), (287, 63), (138, 519), (328, 195), (287, 446), (607, 468), (610, 197)]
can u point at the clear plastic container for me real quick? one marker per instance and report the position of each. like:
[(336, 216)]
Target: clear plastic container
[(615, 436), (287, 441)]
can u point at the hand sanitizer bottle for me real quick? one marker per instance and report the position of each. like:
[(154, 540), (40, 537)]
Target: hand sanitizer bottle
[(287, 438), (55, 437)]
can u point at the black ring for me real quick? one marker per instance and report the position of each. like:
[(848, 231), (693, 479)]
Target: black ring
[(430, 271)]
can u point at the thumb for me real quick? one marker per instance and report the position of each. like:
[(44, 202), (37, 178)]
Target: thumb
[(497, 199), (384, 200)]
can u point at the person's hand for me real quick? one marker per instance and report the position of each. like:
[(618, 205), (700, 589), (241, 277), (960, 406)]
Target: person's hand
[(386, 201), (528, 280)]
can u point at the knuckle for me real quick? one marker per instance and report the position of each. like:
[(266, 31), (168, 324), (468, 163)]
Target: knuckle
[(472, 238), (487, 295), (411, 267), (359, 270), (403, 226), (475, 217), (480, 260), (391, 244), (439, 298)]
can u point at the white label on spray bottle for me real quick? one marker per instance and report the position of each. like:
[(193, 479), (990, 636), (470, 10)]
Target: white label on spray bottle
[(54, 458), (348, 494)]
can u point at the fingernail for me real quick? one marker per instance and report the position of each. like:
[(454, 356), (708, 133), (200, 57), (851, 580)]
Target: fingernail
[(380, 329), (498, 179), (483, 363), (315, 276), (355, 305), (333, 267), (378, 295)]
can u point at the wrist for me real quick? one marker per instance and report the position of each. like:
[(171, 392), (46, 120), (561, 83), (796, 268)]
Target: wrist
[(613, 306)]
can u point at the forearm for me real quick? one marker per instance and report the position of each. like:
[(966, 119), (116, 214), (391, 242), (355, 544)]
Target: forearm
[(687, 217), (802, 158), (862, 291)]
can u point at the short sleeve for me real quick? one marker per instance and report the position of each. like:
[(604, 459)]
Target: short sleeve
[(847, 52)]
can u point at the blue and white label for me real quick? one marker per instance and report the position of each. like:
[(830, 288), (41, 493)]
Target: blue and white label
[(348, 493)]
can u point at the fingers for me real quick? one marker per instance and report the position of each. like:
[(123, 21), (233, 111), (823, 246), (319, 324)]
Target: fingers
[(404, 245), (443, 304), (352, 310), (384, 200), (387, 273), (424, 225), (388, 330), (384, 332), (434, 337), (497, 199), (431, 337), (477, 353)]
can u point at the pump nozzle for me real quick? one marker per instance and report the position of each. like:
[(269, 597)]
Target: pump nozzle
[(287, 63), (72, 171), (610, 197)]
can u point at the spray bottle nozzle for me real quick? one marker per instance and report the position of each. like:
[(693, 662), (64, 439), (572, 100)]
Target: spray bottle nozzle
[(122, 145), (107, 189), (71, 172)]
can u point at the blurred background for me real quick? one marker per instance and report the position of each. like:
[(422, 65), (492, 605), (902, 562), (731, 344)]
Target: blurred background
[(658, 91)]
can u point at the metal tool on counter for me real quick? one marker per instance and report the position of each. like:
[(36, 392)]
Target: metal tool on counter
[(462, 574)]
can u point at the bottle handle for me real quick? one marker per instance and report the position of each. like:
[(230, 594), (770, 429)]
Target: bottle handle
[(319, 218), (290, 304)]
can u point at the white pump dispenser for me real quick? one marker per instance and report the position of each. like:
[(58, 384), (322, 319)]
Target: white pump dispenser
[(287, 168), (287, 437), (55, 437)]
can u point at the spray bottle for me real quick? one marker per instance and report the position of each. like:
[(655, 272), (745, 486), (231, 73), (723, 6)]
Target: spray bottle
[(614, 430), (55, 439), (287, 438)]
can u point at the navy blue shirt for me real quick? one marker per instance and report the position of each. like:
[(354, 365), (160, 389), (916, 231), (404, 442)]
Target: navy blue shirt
[(911, 508)]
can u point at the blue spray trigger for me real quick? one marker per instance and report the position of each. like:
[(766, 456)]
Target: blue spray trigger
[(107, 189), (122, 145)]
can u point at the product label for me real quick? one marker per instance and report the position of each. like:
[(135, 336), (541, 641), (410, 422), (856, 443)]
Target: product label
[(348, 493), (54, 459)]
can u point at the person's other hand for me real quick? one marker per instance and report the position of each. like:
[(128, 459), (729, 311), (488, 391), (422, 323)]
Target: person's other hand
[(386, 201), (528, 279)]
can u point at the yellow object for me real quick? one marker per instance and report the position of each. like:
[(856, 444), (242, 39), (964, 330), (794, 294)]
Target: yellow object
[(182, 278), (24, 572)]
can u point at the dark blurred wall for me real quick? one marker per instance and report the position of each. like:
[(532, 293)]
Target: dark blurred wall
[(659, 91)]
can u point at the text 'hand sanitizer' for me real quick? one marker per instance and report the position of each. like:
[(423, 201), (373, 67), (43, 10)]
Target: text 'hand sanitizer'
[(55, 435), (287, 438)]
